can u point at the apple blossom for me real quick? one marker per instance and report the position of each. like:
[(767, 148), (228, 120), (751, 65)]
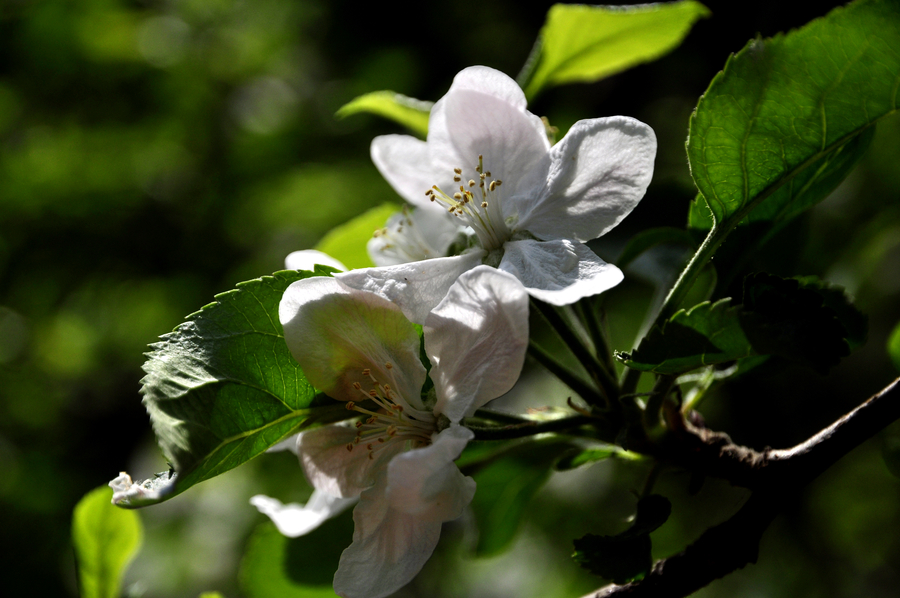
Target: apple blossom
[(359, 348), (487, 161)]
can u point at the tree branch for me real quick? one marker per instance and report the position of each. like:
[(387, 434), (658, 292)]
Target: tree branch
[(771, 474)]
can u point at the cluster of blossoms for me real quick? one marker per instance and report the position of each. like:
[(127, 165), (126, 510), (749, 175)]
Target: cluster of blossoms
[(487, 173)]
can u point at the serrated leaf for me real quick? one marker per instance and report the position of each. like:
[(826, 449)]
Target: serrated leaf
[(223, 387), (505, 489), (105, 539), (278, 567), (347, 242), (781, 125), (781, 317), (580, 43), (409, 112), (626, 556), (707, 334)]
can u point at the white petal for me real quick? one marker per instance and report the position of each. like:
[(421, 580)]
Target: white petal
[(288, 444), (476, 340), (599, 172), (427, 483), (411, 236), (335, 333), (417, 287), (308, 258), (389, 548), (294, 520), (405, 162), (333, 469), (511, 140), (486, 80), (558, 272)]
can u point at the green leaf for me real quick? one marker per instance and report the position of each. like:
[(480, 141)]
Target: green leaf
[(894, 346), (505, 488), (278, 567), (576, 458), (780, 127), (783, 318), (626, 556), (650, 238), (223, 387), (409, 112), (707, 334), (106, 539), (347, 242), (588, 43)]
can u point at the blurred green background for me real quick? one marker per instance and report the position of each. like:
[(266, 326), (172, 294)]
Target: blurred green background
[(155, 153)]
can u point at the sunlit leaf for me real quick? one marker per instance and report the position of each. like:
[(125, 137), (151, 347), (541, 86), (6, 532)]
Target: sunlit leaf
[(588, 43), (782, 125), (275, 566), (223, 387), (894, 346), (347, 242), (626, 556), (409, 112), (106, 539), (587, 456)]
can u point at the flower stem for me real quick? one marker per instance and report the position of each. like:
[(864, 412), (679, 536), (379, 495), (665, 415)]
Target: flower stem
[(529, 428), (569, 378)]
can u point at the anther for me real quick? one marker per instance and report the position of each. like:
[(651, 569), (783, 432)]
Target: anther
[(457, 179), (493, 185), (471, 183), (359, 424), (388, 365), (457, 170), (484, 204), (350, 447), (350, 406)]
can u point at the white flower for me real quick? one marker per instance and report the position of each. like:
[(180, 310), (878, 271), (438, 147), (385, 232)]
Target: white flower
[(359, 348), (411, 236), (488, 162)]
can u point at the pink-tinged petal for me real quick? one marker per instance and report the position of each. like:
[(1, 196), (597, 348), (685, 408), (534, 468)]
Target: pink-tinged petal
[(558, 272), (426, 482), (406, 163), (476, 339), (294, 520), (335, 333), (389, 548), (331, 468), (512, 141), (307, 259), (416, 288), (599, 172)]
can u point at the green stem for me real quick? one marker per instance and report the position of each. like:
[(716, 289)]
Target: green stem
[(569, 378), (589, 316), (652, 414), (529, 428), (590, 362)]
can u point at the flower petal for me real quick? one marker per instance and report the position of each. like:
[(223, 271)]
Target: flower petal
[(411, 236), (335, 333), (417, 287), (558, 272), (476, 340), (405, 162), (512, 141), (294, 520), (427, 483), (599, 172), (333, 469), (307, 259)]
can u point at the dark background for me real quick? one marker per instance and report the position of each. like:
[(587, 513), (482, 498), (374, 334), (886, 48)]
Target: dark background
[(153, 154)]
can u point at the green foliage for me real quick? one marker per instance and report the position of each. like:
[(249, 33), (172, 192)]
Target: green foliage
[(106, 539), (278, 567), (782, 125), (505, 488), (581, 43), (347, 242), (806, 321), (409, 112), (893, 346), (223, 387), (652, 237), (576, 458), (626, 556)]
